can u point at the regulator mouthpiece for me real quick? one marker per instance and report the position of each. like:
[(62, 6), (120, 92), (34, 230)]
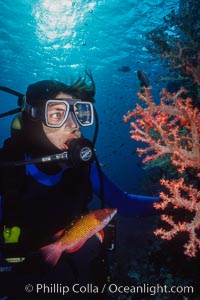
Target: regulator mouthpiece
[(80, 152)]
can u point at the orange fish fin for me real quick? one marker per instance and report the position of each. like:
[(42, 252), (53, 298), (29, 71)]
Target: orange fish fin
[(51, 253), (58, 234), (100, 235)]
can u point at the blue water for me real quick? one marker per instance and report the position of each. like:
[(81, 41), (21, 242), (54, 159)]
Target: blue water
[(48, 39)]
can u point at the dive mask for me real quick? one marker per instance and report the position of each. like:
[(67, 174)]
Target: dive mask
[(56, 111)]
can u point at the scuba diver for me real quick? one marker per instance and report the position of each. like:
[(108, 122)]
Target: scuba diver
[(49, 173)]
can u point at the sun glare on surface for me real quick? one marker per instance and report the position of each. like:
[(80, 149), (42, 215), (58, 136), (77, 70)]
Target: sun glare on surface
[(57, 20)]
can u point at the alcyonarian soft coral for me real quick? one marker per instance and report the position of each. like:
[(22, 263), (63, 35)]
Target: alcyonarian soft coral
[(186, 197), (172, 127)]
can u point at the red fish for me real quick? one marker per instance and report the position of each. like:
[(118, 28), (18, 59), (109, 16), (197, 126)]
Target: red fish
[(73, 239)]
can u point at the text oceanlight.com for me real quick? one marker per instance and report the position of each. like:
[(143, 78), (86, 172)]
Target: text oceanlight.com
[(112, 288)]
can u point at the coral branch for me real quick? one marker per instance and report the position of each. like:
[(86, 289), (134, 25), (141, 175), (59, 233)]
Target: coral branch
[(172, 127), (181, 196)]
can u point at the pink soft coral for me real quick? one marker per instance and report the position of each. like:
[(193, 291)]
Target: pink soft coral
[(171, 127)]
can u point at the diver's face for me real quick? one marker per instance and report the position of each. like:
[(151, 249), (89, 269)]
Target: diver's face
[(69, 130)]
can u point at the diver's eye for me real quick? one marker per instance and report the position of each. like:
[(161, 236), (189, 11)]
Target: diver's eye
[(55, 112), (55, 118)]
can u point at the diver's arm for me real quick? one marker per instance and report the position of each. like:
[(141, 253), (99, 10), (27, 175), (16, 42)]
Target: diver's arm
[(127, 204)]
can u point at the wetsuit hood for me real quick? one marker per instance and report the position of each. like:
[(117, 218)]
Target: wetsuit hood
[(38, 93), (36, 141), (36, 96)]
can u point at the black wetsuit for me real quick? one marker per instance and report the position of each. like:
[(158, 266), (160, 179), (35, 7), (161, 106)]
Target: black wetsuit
[(41, 211)]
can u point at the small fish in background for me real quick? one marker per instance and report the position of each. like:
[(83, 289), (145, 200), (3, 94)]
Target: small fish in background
[(143, 78), (71, 240), (124, 69)]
